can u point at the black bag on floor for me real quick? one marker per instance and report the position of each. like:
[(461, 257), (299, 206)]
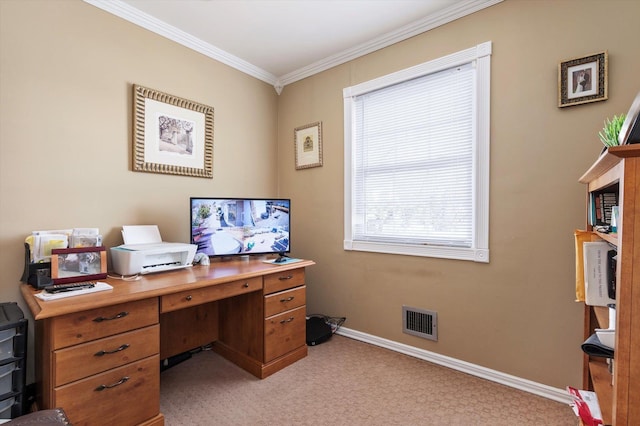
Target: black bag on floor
[(318, 331)]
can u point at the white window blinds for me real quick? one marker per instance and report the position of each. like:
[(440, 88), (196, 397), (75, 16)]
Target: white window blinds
[(417, 159), (413, 168)]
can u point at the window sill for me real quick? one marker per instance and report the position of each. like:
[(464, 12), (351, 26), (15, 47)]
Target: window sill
[(457, 253)]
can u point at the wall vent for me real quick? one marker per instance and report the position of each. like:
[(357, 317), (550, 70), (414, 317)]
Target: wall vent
[(420, 322)]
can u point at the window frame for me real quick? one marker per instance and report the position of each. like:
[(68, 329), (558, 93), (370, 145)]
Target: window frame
[(480, 55)]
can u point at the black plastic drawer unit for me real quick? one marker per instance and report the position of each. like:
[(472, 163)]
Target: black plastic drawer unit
[(13, 355)]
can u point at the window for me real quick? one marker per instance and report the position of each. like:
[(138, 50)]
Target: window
[(417, 159)]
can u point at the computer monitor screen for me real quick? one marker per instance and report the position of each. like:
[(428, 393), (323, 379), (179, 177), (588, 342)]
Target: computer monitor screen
[(240, 226)]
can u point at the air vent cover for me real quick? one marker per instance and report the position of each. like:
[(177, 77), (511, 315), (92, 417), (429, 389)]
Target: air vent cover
[(420, 322)]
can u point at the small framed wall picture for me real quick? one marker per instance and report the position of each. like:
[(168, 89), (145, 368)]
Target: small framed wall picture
[(583, 80), (73, 265), (308, 145)]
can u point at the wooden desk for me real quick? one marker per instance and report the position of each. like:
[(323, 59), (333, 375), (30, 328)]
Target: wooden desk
[(98, 355)]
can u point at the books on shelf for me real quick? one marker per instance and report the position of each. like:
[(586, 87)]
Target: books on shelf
[(601, 207)]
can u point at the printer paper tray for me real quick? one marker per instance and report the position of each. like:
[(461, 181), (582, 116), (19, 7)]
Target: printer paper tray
[(161, 268)]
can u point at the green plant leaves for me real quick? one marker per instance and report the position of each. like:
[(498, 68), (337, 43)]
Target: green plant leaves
[(611, 130)]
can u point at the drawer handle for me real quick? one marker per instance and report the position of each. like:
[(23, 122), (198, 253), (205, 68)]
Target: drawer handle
[(246, 285), (286, 320), (288, 299), (118, 383), (121, 348), (189, 298), (118, 316), (288, 277)]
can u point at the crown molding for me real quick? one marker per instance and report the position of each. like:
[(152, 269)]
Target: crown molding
[(137, 17), (450, 14)]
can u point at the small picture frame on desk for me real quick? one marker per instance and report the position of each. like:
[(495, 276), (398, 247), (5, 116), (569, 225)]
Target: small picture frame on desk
[(72, 265)]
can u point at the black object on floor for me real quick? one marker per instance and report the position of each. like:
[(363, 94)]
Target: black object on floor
[(166, 364), (318, 331)]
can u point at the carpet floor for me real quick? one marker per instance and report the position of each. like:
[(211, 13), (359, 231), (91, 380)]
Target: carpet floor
[(347, 382)]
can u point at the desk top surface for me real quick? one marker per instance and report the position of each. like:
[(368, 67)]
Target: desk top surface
[(154, 285)]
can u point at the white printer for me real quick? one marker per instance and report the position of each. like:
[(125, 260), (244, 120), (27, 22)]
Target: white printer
[(144, 252)]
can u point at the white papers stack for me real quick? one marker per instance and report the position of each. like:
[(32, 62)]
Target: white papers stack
[(42, 242), (85, 237)]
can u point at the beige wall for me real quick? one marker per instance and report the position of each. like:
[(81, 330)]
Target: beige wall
[(66, 75), (66, 70), (515, 314)]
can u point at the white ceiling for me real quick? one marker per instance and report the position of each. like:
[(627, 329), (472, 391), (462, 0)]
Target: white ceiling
[(282, 41)]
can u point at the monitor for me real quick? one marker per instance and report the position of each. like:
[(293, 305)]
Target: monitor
[(630, 130), (240, 226)]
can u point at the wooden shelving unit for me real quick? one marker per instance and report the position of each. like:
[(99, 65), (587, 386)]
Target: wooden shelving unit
[(619, 393)]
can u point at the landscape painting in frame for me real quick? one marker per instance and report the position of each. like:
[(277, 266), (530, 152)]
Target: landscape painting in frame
[(172, 135)]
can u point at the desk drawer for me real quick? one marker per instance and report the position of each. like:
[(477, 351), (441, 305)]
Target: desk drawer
[(87, 359), (284, 333), (198, 296), (127, 395), (283, 280), (81, 327), (284, 301)]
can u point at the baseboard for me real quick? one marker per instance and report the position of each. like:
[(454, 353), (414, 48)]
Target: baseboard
[(559, 395)]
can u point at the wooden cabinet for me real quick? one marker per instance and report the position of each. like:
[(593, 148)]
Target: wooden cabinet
[(270, 335), (619, 393), (285, 314), (95, 362)]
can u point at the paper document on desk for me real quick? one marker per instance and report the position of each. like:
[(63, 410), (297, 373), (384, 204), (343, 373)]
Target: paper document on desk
[(141, 234)]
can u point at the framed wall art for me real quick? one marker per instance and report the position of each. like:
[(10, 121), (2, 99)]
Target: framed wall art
[(171, 135), (583, 80), (308, 145)]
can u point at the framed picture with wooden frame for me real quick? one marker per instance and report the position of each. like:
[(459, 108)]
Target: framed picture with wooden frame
[(583, 80), (72, 265), (308, 145), (171, 135)]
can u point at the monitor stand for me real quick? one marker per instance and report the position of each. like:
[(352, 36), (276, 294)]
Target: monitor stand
[(281, 258)]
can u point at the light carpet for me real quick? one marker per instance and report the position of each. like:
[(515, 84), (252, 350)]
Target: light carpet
[(347, 382)]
